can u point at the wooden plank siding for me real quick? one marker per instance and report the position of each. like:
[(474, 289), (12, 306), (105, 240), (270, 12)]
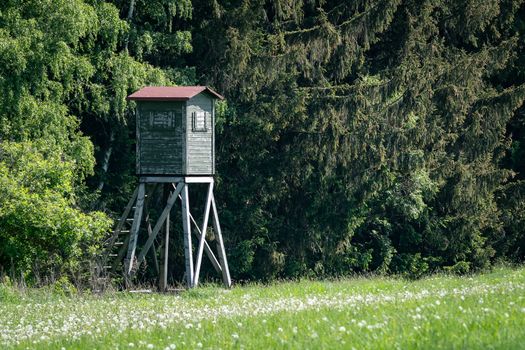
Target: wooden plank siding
[(199, 143), (160, 138)]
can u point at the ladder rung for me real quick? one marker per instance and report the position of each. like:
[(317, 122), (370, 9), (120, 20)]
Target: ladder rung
[(129, 219), (124, 231), (119, 243), (113, 255), (106, 267)]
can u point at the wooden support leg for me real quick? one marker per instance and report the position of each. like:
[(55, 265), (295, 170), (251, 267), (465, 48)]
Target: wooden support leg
[(207, 248), (154, 250), (160, 222), (203, 235), (220, 245), (166, 249), (187, 236), (163, 280), (137, 217)]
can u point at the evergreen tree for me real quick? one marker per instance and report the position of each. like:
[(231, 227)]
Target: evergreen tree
[(361, 135)]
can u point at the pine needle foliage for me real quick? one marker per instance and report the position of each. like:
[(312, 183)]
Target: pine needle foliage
[(364, 135)]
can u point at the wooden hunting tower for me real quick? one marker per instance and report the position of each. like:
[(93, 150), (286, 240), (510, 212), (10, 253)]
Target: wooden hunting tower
[(175, 130), (175, 148)]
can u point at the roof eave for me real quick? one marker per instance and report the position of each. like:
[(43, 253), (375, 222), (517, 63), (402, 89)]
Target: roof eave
[(216, 94), (138, 96), (131, 98)]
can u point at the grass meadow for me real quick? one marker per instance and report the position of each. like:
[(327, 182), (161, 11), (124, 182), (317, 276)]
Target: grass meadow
[(485, 311)]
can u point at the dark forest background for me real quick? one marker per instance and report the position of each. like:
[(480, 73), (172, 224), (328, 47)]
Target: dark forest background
[(356, 136)]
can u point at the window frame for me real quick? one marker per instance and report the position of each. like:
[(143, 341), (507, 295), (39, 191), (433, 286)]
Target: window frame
[(194, 125)]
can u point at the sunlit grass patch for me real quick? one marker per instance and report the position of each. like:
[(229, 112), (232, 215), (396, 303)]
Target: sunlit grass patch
[(483, 311)]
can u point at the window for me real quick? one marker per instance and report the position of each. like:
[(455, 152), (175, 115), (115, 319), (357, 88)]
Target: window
[(199, 121), (162, 120)]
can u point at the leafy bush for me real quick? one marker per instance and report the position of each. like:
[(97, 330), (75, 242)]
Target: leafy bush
[(41, 229)]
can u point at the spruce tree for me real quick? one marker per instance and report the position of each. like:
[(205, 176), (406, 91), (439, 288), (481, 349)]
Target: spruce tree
[(362, 135)]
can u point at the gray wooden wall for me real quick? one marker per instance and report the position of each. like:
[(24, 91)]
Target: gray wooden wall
[(160, 138), (200, 145)]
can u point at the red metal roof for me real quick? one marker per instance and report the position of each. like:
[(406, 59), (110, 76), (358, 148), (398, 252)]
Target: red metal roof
[(170, 93)]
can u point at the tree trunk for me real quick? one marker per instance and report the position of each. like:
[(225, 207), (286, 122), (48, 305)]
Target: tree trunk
[(128, 19), (105, 164), (131, 9)]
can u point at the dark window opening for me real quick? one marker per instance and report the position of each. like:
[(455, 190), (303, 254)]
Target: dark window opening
[(199, 121)]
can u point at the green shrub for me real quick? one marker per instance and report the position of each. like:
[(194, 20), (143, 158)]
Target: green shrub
[(460, 268), (42, 230), (64, 287)]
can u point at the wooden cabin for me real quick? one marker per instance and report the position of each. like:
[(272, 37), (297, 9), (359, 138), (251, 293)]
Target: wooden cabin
[(175, 130)]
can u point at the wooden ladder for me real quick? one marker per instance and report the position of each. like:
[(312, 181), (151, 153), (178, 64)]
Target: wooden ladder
[(116, 245)]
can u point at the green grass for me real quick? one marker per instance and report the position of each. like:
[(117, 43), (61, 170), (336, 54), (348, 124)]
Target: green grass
[(444, 312)]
